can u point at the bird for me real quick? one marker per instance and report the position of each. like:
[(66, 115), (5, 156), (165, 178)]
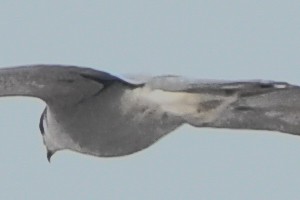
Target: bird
[(105, 115)]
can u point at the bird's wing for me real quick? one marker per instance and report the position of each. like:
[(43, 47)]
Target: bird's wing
[(62, 84), (258, 105)]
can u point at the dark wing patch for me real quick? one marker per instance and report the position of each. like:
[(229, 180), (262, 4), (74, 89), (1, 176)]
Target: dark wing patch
[(107, 80), (41, 126)]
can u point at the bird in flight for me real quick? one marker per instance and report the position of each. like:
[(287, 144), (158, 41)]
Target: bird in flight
[(100, 114)]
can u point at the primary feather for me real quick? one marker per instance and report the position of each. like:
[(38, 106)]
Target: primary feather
[(96, 113)]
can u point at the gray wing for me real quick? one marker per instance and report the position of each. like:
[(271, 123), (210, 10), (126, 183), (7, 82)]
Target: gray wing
[(277, 110), (259, 105), (62, 84)]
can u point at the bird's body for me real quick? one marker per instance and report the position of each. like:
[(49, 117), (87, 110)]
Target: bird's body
[(96, 113), (99, 128)]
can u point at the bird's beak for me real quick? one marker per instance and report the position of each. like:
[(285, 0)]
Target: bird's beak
[(49, 155)]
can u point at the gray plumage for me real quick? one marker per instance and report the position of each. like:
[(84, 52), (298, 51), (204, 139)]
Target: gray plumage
[(96, 113)]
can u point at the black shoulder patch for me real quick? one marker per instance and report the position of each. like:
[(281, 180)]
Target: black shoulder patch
[(107, 80)]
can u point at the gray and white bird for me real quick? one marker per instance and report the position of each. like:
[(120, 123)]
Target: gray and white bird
[(96, 113)]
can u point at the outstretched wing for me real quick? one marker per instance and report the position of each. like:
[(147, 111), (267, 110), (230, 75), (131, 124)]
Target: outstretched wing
[(277, 109), (259, 105), (63, 84)]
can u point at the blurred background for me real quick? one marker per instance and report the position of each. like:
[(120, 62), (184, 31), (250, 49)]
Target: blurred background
[(202, 39)]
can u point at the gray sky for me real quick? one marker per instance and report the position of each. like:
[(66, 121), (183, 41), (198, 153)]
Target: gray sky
[(203, 39)]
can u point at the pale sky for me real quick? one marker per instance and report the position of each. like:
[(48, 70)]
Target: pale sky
[(202, 39)]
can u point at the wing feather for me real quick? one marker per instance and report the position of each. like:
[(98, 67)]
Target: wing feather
[(65, 84), (278, 110), (255, 104)]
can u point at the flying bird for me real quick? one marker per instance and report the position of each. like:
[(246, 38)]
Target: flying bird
[(100, 114)]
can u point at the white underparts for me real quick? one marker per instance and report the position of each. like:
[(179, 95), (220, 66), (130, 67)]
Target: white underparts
[(191, 106), (54, 137)]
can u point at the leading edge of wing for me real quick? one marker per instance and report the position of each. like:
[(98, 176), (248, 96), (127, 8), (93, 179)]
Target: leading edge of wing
[(179, 83), (48, 82)]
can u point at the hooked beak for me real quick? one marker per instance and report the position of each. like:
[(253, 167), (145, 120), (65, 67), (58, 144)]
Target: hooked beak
[(49, 155)]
